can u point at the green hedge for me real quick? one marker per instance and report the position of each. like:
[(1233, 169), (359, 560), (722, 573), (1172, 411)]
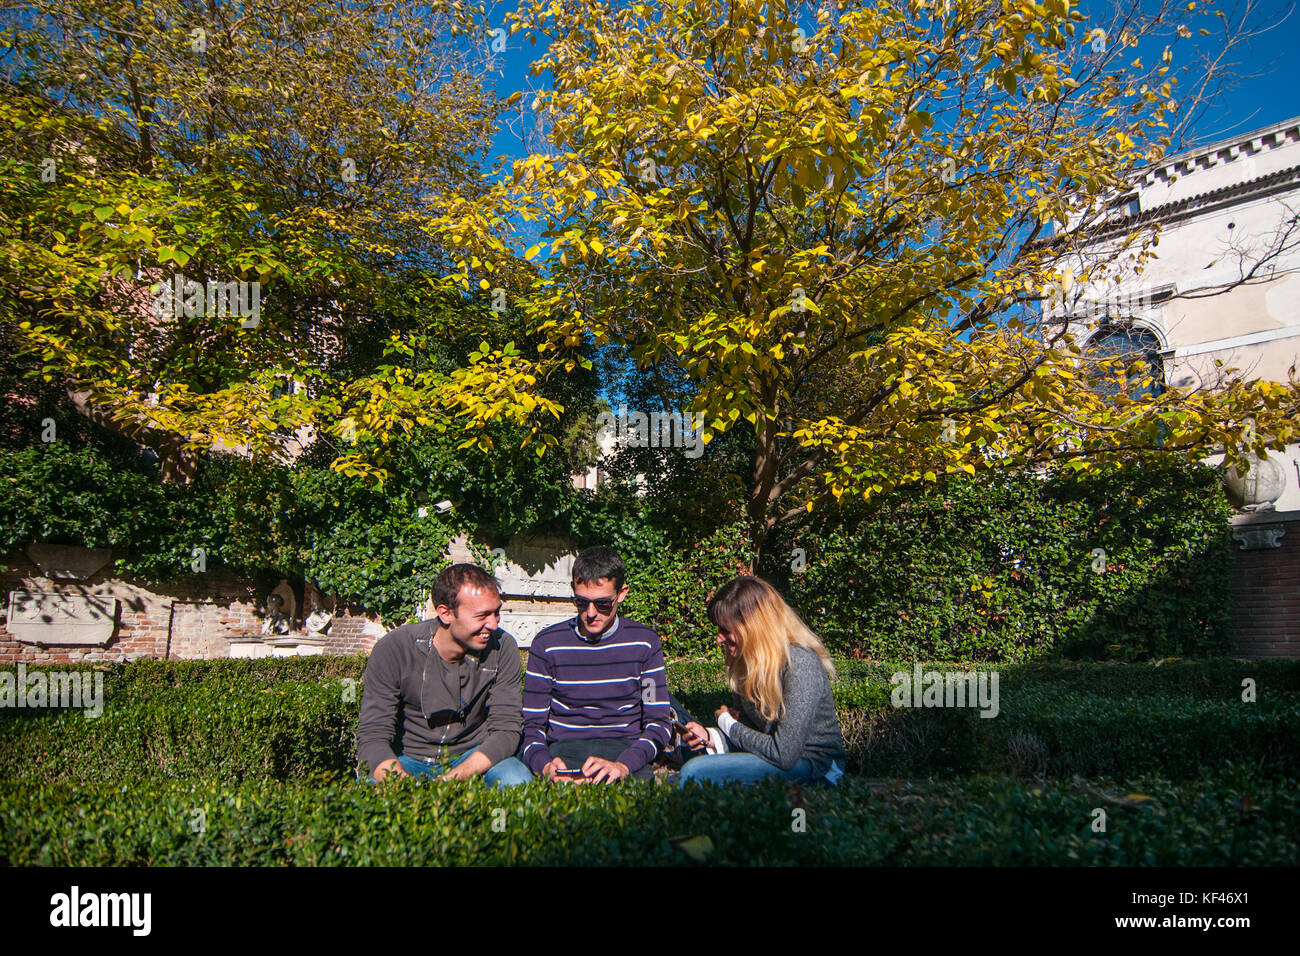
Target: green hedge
[(1212, 678), (976, 822), (203, 731), (235, 674), (292, 719), (1002, 569)]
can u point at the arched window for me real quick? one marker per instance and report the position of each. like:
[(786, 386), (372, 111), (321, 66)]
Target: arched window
[(1132, 345)]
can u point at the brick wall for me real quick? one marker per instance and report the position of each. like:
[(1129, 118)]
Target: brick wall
[(1266, 584)]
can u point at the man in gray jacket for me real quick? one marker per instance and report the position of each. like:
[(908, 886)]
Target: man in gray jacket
[(442, 697)]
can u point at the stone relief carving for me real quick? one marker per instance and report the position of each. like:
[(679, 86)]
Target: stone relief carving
[(1259, 538), (39, 618), (68, 561)]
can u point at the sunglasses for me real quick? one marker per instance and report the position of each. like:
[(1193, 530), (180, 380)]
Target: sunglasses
[(603, 605)]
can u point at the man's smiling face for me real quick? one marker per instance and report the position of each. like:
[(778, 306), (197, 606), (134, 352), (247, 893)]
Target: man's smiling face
[(592, 621), (478, 615)]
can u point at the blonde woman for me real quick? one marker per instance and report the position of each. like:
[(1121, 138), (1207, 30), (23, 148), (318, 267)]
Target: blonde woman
[(783, 723)]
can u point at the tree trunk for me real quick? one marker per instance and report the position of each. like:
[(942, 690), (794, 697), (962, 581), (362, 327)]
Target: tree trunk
[(179, 464)]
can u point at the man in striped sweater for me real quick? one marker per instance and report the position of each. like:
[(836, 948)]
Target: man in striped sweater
[(595, 689)]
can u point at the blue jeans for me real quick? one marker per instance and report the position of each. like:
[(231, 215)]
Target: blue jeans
[(505, 773), (743, 768)]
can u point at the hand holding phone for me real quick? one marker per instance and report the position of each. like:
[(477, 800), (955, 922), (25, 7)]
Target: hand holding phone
[(694, 736)]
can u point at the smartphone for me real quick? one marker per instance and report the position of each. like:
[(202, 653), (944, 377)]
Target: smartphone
[(569, 773), (680, 728)]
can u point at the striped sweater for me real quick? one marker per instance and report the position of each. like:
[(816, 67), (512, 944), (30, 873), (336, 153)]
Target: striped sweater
[(613, 688)]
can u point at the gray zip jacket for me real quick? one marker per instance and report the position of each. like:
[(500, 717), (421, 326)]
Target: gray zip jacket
[(416, 703), (809, 727)]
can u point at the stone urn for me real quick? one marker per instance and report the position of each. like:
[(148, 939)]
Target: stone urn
[(1261, 485)]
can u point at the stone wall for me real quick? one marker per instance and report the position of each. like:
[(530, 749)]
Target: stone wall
[(49, 615), (65, 604)]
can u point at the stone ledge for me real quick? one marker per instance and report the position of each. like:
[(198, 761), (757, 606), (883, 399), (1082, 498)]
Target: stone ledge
[(1264, 517), (1262, 530)]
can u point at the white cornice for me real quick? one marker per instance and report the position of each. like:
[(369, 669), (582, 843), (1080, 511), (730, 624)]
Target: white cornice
[(1220, 151)]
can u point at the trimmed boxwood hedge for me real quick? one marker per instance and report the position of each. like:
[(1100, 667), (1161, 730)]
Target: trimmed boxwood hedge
[(289, 720), (974, 822), (1211, 678)]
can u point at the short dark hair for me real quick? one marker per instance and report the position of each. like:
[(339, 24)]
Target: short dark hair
[(599, 562), (447, 586)]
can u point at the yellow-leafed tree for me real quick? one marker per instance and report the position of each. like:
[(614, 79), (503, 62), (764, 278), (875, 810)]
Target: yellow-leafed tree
[(831, 221)]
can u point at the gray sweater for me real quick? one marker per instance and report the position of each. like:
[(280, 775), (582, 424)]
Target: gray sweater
[(809, 728), (416, 703)]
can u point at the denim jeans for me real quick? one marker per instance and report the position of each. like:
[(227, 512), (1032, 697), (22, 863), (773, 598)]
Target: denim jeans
[(746, 768), (505, 773)]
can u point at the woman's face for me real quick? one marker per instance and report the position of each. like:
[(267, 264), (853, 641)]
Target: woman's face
[(729, 643)]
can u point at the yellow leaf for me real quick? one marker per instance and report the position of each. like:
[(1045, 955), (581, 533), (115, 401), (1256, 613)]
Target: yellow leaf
[(697, 848)]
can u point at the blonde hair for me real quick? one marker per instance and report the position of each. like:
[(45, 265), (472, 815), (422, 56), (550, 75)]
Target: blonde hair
[(765, 627)]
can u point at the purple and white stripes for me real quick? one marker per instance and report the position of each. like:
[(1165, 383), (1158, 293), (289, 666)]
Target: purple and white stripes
[(615, 688)]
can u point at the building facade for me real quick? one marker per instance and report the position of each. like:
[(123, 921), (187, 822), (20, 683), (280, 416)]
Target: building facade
[(1222, 288)]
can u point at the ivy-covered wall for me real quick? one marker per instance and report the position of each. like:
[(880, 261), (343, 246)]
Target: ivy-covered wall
[(1128, 566)]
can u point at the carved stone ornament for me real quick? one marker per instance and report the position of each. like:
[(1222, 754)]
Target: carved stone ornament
[(1259, 538), (1261, 485), (281, 606), (36, 618), (318, 610)]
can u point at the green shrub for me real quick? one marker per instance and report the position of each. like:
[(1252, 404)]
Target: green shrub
[(1212, 821), (199, 731), (296, 719), (1044, 730)]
